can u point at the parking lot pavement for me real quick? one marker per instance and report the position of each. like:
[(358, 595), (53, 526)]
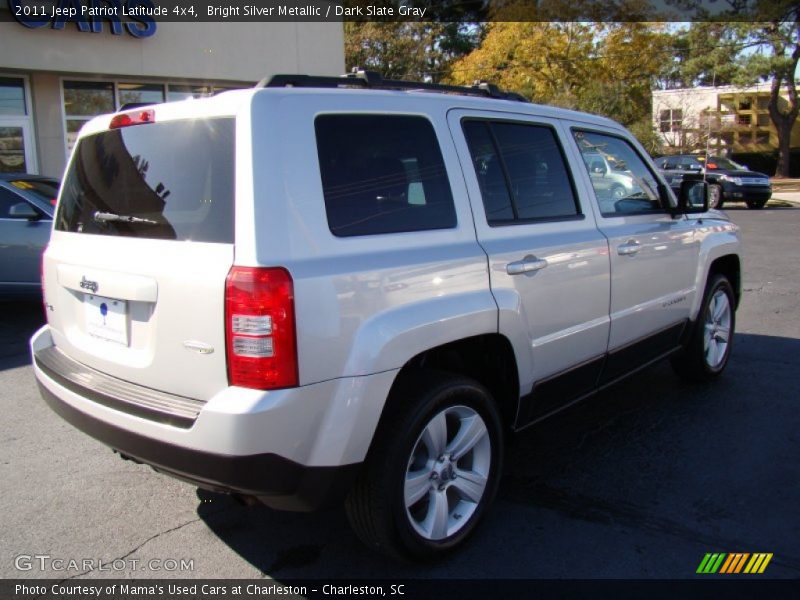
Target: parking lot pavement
[(640, 481)]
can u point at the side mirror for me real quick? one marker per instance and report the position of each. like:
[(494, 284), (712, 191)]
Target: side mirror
[(693, 197), (23, 210)]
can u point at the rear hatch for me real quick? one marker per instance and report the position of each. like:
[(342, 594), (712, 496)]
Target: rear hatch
[(142, 243)]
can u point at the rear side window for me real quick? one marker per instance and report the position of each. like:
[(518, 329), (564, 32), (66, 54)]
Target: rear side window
[(382, 174), (521, 172), (172, 180)]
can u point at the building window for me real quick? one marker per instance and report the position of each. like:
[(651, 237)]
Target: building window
[(140, 93), (763, 103), (762, 137), (744, 119), (178, 91), (12, 96), (746, 138), (763, 120), (726, 138), (17, 153), (84, 100), (671, 120), (745, 104)]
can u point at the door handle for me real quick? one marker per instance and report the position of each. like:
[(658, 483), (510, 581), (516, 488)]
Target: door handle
[(529, 264), (629, 248)]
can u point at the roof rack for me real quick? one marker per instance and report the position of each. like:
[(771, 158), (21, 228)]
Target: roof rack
[(360, 78)]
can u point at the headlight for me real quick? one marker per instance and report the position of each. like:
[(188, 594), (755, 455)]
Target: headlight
[(733, 180)]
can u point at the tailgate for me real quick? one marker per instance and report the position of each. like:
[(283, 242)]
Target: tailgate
[(135, 272)]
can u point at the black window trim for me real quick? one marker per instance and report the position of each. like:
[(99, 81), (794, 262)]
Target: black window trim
[(578, 216), (619, 136), (374, 113)]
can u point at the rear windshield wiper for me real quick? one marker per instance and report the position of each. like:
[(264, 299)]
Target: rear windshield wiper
[(107, 217)]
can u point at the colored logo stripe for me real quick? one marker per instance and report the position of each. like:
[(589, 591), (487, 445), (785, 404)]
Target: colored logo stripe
[(723, 563), (710, 563), (758, 563), (734, 563)]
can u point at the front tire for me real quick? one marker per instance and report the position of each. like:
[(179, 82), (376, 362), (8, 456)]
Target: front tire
[(433, 469), (706, 354)]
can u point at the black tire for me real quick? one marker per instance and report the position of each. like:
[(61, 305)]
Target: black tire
[(618, 191), (376, 506), (715, 199), (756, 204), (692, 362)]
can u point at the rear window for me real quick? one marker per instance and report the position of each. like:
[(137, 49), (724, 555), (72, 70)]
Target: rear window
[(170, 181), (382, 174)]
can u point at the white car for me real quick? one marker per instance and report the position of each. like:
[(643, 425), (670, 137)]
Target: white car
[(351, 288)]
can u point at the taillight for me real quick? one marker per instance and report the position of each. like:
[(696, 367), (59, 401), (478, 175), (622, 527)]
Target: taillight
[(260, 328), (137, 117)]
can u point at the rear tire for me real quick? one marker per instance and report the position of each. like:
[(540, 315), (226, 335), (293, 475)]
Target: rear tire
[(433, 468), (756, 204), (707, 352)]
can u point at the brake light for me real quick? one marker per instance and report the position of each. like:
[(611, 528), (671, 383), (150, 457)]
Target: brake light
[(137, 117), (260, 328)]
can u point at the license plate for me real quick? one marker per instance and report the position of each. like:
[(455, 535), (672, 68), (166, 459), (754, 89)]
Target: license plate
[(107, 318)]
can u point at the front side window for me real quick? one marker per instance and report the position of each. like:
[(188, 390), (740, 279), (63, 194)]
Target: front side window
[(382, 174), (630, 187), (521, 172)]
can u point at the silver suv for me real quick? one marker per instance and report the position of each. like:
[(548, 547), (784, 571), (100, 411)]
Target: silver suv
[(329, 288)]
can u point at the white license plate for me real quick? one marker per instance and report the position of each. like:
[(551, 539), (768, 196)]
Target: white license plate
[(107, 318)]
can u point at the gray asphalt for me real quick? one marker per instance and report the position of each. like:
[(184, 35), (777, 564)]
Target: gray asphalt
[(638, 482)]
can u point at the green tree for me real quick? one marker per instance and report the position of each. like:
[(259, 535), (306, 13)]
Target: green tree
[(778, 52), (417, 51), (763, 44), (605, 68)]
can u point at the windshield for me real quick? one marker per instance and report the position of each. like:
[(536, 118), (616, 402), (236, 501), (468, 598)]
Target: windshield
[(718, 162), (170, 180)]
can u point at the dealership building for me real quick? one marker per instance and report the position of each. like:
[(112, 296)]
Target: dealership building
[(56, 75)]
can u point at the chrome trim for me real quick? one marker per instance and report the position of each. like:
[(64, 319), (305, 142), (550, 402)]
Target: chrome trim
[(116, 393)]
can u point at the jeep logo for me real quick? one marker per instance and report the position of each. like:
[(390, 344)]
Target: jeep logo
[(89, 285)]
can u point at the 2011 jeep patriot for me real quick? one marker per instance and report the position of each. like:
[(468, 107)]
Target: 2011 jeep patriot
[(309, 291)]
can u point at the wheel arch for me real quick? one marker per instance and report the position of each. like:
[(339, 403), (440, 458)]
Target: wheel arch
[(488, 359)]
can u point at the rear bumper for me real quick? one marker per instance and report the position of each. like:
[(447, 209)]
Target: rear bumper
[(276, 481), (295, 449)]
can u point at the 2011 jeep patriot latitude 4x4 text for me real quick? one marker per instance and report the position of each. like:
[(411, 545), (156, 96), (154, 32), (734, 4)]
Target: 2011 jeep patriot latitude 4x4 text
[(301, 294)]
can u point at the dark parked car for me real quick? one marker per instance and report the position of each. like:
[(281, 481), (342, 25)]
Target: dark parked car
[(27, 203), (728, 181)]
